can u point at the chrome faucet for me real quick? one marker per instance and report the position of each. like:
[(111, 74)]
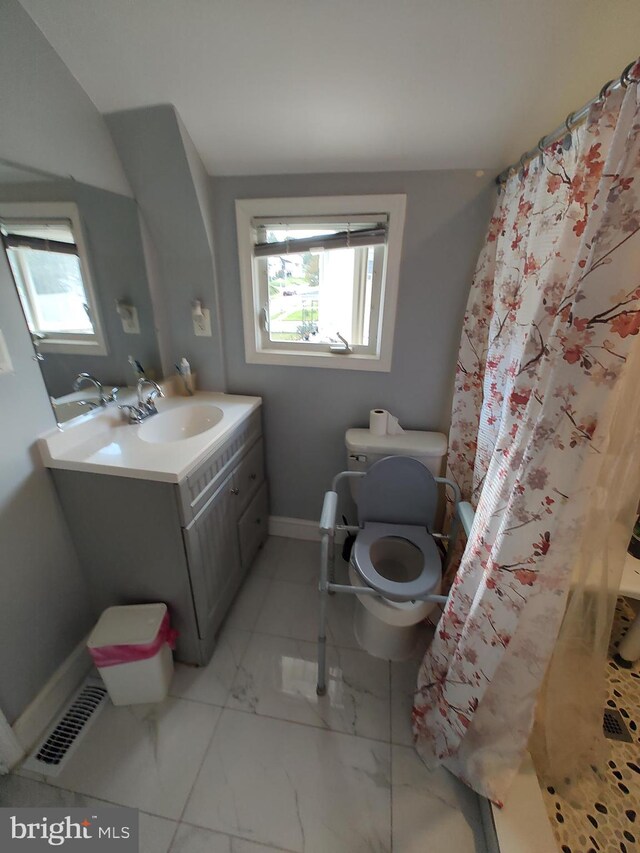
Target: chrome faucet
[(83, 378), (156, 391), (146, 405)]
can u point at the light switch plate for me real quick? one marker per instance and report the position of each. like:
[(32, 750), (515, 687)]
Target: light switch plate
[(202, 325), (6, 365), (130, 323)]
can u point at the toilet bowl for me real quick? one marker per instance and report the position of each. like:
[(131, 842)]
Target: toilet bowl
[(384, 628), (397, 563), (401, 562)]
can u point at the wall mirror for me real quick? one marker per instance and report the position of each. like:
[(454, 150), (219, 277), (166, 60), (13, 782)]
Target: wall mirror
[(76, 257)]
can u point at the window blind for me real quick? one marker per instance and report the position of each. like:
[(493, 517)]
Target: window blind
[(348, 234), (54, 236)]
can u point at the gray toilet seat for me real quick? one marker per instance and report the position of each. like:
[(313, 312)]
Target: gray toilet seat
[(426, 583)]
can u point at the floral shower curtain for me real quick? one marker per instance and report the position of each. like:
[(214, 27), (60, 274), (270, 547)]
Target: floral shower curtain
[(545, 442)]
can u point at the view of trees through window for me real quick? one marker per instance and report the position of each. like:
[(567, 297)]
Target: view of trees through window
[(293, 296), (311, 294)]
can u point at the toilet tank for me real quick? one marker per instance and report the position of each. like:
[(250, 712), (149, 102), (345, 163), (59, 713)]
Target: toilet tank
[(364, 448)]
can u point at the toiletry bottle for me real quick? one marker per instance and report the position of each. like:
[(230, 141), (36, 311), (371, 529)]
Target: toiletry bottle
[(185, 370), (138, 370)]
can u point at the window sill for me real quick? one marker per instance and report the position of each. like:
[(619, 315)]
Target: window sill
[(327, 360), (63, 347)]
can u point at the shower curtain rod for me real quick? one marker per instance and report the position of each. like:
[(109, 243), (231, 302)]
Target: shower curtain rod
[(571, 121)]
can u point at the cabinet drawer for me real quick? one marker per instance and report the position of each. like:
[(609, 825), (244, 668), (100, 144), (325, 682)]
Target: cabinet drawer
[(249, 475), (199, 485), (252, 527)]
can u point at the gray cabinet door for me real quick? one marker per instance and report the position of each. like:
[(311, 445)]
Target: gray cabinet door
[(211, 541)]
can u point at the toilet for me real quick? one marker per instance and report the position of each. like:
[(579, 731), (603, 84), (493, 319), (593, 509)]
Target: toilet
[(395, 565)]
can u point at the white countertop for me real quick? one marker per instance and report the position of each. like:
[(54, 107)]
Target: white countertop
[(102, 442)]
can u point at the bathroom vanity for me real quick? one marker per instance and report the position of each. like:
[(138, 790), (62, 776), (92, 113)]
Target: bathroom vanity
[(159, 512)]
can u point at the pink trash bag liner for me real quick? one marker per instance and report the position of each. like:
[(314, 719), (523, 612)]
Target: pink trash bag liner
[(113, 655)]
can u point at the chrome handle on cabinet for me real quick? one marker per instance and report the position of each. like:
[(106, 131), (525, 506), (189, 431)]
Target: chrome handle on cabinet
[(234, 491)]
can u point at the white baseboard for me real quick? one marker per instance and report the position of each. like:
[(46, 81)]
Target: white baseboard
[(297, 528), (37, 716), (294, 528)]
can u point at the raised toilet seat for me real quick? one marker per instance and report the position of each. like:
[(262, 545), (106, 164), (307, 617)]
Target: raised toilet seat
[(400, 561), (395, 562)]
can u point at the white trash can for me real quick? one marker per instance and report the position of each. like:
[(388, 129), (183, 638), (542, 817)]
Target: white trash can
[(131, 647)]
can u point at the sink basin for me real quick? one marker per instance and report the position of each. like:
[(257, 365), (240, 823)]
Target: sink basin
[(180, 423)]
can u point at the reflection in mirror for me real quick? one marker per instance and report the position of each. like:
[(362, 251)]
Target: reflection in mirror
[(51, 271), (76, 255), (88, 394)]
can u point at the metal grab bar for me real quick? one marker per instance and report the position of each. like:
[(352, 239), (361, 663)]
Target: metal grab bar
[(368, 590), (463, 517)]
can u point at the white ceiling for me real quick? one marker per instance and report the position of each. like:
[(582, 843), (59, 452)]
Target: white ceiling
[(277, 86)]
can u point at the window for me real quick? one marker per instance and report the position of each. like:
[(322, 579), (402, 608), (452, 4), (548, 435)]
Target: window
[(319, 279), (45, 249)]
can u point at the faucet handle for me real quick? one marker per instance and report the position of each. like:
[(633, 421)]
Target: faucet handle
[(133, 411), (148, 407)]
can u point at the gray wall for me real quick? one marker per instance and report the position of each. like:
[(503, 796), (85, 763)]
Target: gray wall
[(48, 120), (151, 144), (43, 596), (307, 410), (112, 233)]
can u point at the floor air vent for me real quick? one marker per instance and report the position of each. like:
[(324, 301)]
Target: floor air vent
[(49, 757), (614, 726)]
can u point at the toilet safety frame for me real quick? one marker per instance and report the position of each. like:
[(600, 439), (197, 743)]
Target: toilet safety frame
[(463, 516)]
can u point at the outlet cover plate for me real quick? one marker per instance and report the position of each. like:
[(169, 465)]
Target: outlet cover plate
[(130, 322), (202, 325)]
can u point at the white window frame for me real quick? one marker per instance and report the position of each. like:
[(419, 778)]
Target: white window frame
[(258, 349), (66, 343)]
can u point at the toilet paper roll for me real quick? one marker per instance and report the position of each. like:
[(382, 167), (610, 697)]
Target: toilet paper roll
[(381, 422), (378, 421)]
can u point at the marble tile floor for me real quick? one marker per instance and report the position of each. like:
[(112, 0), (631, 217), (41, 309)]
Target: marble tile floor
[(243, 757)]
